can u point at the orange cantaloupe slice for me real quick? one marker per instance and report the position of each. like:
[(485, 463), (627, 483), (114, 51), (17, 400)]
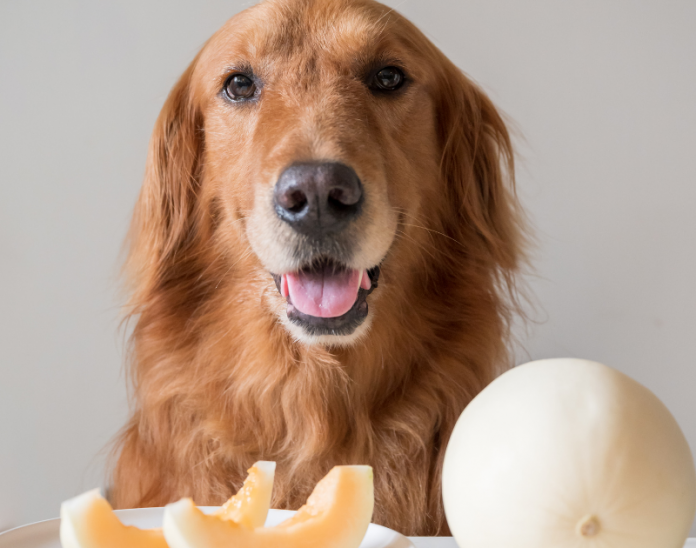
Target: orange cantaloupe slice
[(249, 507), (336, 515), (88, 521)]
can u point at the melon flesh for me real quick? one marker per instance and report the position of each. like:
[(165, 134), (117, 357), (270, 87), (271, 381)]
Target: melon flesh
[(88, 521), (336, 515), (249, 507)]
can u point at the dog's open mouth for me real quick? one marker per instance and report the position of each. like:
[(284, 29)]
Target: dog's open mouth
[(327, 298)]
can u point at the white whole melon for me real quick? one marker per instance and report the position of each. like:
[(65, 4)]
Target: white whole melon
[(568, 453)]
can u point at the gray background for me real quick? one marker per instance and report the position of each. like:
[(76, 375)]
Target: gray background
[(603, 94)]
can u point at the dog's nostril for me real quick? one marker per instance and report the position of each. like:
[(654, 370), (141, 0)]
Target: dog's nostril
[(291, 198), (296, 201), (341, 197)]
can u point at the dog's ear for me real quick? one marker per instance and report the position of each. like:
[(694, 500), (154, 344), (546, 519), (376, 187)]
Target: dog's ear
[(163, 223), (478, 167)]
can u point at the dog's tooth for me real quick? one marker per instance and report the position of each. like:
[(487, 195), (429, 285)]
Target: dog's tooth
[(365, 281)]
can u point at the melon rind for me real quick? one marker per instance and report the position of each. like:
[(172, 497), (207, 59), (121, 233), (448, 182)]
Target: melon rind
[(568, 453)]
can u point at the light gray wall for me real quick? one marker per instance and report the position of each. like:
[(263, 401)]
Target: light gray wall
[(604, 93)]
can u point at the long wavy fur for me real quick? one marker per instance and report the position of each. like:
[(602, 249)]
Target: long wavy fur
[(217, 381)]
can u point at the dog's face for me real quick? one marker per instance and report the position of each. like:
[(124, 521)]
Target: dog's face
[(309, 147), (319, 133)]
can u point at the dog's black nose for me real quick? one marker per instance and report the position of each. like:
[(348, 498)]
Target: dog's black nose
[(318, 198)]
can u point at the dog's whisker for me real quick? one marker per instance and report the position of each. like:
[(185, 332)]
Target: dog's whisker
[(401, 234), (403, 212), (436, 232)]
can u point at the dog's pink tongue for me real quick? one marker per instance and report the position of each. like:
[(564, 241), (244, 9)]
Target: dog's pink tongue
[(325, 294)]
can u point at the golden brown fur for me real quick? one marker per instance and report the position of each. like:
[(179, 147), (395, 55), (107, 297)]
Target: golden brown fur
[(219, 380)]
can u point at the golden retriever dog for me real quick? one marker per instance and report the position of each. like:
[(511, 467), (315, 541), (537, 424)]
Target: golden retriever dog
[(322, 259)]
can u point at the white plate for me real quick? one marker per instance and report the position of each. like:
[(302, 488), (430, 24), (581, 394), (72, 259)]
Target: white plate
[(44, 534)]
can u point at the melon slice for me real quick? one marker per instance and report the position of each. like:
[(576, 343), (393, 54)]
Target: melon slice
[(336, 515), (88, 521), (249, 507)]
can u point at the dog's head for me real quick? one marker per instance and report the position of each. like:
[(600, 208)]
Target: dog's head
[(316, 141)]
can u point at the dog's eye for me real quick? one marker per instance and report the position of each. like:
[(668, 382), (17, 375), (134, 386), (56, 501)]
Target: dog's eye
[(239, 86), (389, 79)]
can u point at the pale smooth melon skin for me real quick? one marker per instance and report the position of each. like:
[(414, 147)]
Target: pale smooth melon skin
[(553, 445), (336, 515)]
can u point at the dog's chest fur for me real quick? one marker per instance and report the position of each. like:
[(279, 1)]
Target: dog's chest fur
[(224, 393)]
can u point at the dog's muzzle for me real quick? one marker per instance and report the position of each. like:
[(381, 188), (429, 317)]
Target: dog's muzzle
[(320, 201)]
